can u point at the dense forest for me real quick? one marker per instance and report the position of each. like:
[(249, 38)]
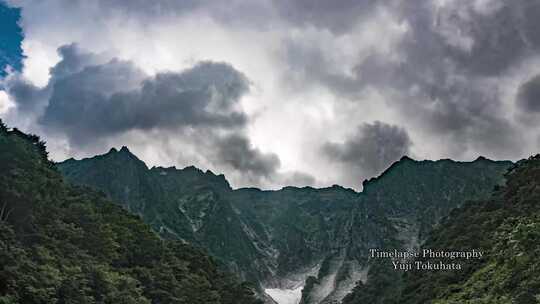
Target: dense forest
[(506, 227), (66, 244)]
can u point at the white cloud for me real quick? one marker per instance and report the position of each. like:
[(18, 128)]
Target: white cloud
[(5, 102)]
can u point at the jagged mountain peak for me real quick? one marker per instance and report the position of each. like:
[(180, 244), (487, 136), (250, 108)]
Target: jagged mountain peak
[(124, 149), (484, 159), (192, 174), (406, 158), (397, 165), (117, 158), (123, 152), (192, 168)]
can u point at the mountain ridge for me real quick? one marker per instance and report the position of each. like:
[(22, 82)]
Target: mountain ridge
[(404, 159), (280, 238)]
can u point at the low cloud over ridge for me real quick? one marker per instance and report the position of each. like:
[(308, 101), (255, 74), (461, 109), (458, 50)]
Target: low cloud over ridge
[(370, 150), (90, 99)]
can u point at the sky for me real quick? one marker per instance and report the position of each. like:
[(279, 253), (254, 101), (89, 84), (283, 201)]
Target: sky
[(274, 93), (10, 40)]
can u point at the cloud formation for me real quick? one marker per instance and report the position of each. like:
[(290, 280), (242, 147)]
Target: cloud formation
[(114, 97), (236, 151), (370, 150), (90, 99), (529, 95), (458, 75), (443, 73)]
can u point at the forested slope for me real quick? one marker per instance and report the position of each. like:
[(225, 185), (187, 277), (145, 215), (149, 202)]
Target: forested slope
[(65, 244), (507, 228)]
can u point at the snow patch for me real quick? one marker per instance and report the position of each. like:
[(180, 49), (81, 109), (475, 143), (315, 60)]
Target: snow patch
[(285, 296), (288, 289)]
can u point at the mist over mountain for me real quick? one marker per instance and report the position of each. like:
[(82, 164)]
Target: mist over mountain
[(317, 239)]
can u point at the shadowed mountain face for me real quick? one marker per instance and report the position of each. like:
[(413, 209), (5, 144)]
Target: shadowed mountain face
[(316, 238)]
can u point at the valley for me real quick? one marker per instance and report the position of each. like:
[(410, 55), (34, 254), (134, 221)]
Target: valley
[(295, 240)]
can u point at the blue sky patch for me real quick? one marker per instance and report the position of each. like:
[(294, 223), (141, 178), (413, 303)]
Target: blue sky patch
[(11, 37)]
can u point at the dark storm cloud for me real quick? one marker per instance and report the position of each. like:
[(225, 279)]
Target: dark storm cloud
[(448, 53), (237, 152), (528, 99), (74, 60), (29, 98), (500, 33), (90, 98), (88, 101), (464, 39), (458, 38), (439, 82), (106, 78), (499, 36), (370, 150)]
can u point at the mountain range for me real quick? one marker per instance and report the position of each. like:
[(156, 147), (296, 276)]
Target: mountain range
[(308, 239), (167, 235)]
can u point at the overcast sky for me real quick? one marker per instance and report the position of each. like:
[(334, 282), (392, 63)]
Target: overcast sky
[(274, 93)]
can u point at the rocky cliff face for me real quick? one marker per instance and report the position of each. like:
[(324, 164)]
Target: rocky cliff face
[(293, 237)]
